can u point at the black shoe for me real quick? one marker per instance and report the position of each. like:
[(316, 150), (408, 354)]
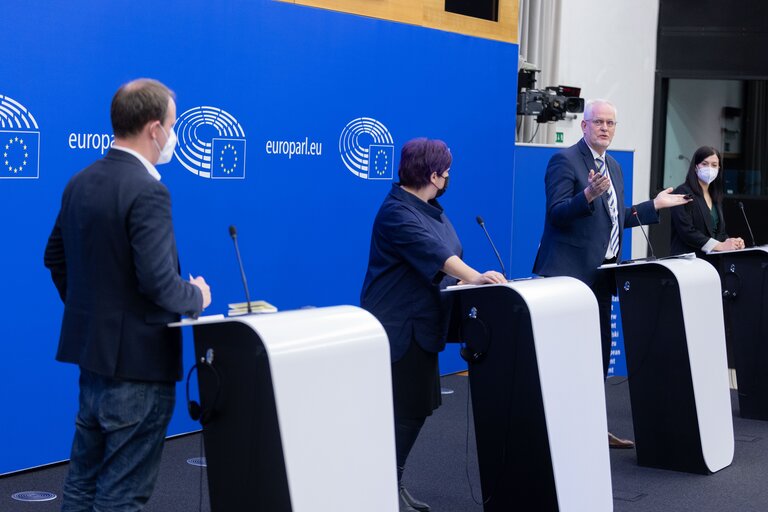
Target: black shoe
[(412, 502), (404, 506)]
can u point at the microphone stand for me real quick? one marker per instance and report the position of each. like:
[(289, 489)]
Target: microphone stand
[(498, 256), (741, 207), (652, 257), (233, 234)]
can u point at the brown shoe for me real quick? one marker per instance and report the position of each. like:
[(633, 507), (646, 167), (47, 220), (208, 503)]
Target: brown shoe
[(618, 443)]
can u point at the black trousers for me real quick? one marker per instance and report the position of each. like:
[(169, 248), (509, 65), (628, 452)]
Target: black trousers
[(416, 393), (406, 432)]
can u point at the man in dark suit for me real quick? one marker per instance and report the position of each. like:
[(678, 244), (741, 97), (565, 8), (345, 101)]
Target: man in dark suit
[(112, 256), (586, 216)]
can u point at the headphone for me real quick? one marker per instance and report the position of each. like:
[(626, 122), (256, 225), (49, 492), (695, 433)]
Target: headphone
[(195, 410), (478, 341)]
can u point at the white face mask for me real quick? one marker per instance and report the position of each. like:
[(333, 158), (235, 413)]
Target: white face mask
[(166, 153), (706, 174)]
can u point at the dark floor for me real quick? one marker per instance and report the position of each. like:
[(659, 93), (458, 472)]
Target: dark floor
[(444, 455)]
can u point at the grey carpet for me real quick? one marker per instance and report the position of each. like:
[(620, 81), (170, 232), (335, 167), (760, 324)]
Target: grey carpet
[(442, 459)]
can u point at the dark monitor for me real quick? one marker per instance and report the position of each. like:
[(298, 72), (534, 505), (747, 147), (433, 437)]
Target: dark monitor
[(483, 9)]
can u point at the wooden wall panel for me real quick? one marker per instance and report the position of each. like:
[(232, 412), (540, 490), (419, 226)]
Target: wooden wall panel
[(429, 13)]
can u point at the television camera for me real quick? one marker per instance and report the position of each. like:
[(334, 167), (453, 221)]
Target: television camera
[(548, 104)]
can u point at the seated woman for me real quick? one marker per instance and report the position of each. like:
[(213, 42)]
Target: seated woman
[(699, 226), (415, 252)]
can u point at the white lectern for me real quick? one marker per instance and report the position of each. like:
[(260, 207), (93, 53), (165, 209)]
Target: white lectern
[(302, 411), (537, 393), (674, 340)]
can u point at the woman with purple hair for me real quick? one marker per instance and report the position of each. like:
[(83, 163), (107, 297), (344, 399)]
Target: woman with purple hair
[(415, 253)]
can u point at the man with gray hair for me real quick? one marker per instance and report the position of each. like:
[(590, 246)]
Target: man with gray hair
[(586, 216), (112, 256)]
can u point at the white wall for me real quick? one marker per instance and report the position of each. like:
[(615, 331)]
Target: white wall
[(608, 48)]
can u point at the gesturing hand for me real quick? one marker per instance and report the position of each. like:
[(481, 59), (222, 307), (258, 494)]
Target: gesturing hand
[(666, 199), (598, 184)]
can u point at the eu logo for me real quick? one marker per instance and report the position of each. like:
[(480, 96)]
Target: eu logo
[(20, 154), (381, 161), (227, 158)]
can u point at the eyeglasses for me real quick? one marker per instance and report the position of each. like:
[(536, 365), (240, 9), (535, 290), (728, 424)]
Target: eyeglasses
[(610, 123)]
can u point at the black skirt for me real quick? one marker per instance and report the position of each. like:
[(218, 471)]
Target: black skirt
[(416, 383)]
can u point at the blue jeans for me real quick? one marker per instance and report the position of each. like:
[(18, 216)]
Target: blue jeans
[(119, 435)]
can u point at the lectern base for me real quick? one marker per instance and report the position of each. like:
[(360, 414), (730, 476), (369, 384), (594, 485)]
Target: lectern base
[(674, 340), (302, 412), (537, 394), (744, 276)]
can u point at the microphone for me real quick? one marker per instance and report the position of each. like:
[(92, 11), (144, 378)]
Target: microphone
[(637, 217), (233, 234), (482, 225), (741, 206)]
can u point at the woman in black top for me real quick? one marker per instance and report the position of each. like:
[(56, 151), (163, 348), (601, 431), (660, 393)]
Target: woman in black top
[(415, 253), (699, 226)]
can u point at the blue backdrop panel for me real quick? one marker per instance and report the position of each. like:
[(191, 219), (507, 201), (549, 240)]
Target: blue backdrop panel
[(529, 209), (270, 97)]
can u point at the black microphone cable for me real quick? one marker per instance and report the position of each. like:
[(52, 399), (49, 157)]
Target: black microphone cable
[(507, 428), (200, 501)]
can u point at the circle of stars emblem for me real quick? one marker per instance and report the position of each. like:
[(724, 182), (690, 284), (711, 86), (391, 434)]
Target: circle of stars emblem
[(17, 149), (378, 165), (228, 148)]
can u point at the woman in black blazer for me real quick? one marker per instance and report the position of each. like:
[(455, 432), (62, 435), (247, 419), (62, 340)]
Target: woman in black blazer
[(699, 226)]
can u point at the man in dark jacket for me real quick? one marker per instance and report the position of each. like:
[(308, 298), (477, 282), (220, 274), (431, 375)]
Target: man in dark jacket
[(586, 216), (112, 256)]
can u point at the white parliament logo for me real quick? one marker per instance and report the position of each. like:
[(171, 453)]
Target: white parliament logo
[(19, 141), (367, 149), (211, 143)]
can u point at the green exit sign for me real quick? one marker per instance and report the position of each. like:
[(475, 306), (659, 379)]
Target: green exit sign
[(559, 138)]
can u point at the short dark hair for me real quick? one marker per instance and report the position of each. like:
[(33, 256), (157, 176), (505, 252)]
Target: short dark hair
[(137, 103), (692, 179), (419, 158)]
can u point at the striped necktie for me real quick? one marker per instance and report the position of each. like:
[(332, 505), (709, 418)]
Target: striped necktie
[(611, 197)]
